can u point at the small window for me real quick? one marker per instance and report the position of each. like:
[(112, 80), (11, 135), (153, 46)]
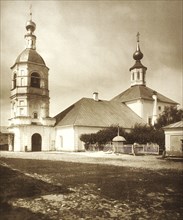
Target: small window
[(21, 111), (150, 120), (159, 108), (35, 115), (22, 72), (22, 81), (21, 102), (132, 76)]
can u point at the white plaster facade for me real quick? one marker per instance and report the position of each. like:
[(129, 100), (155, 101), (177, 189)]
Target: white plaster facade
[(146, 109), (68, 137), (174, 139), (30, 122)]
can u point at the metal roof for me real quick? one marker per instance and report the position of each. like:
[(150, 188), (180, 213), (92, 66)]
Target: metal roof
[(88, 112), (178, 124), (118, 139), (140, 92), (29, 55)]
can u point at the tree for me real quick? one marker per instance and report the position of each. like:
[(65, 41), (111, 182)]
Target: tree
[(170, 115), (102, 137)]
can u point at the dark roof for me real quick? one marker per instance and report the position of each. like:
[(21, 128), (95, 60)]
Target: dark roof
[(138, 65), (140, 92), (178, 124), (29, 55), (88, 112)]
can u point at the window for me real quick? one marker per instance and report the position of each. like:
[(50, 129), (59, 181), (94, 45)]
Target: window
[(35, 115), (159, 108), (21, 102), (21, 111), (14, 81), (150, 120), (138, 75), (35, 80), (132, 76), (22, 81)]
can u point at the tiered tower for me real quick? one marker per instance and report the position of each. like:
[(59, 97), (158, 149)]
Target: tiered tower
[(30, 97)]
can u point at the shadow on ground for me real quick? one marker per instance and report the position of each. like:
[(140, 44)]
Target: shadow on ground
[(14, 185)]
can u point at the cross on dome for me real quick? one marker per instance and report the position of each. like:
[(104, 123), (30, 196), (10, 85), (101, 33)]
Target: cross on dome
[(30, 8), (138, 36)]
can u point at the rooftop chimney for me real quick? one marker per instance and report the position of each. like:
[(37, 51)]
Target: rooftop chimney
[(95, 96)]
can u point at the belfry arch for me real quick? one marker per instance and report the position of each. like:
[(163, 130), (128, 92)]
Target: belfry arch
[(35, 80)]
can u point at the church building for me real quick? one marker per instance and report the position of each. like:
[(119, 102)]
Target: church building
[(34, 130)]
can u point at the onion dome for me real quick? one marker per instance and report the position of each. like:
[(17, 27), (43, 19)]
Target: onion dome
[(30, 26), (138, 55)]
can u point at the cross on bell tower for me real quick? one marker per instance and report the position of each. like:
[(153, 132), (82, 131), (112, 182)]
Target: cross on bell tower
[(138, 71)]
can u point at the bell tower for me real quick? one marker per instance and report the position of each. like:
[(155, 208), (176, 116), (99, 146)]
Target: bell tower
[(138, 71), (29, 93)]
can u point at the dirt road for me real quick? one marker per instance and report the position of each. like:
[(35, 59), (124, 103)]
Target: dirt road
[(151, 162)]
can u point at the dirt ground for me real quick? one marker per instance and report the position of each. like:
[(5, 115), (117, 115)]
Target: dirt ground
[(144, 161), (96, 185)]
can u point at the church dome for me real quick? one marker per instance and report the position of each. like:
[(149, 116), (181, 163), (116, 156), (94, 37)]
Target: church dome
[(30, 55)]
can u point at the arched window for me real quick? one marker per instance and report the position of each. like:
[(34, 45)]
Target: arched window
[(35, 80), (35, 115), (14, 81)]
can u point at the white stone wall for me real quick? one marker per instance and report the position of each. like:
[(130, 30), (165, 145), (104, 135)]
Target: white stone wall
[(173, 141), (136, 106), (144, 108), (23, 137), (79, 145), (64, 139)]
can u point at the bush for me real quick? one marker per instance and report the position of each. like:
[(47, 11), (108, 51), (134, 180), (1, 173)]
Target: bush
[(141, 134)]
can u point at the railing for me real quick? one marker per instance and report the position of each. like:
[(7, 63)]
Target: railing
[(132, 149)]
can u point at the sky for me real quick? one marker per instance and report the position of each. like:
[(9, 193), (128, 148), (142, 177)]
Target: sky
[(89, 45)]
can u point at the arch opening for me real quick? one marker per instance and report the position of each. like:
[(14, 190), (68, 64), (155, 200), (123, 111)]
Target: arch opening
[(35, 80), (36, 142)]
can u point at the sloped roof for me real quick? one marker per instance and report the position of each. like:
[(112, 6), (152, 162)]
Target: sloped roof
[(178, 124), (138, 65), (88, 112), (30, 55), (140, 92)]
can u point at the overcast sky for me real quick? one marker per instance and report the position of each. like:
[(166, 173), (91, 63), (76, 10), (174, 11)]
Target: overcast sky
[(89, 45)]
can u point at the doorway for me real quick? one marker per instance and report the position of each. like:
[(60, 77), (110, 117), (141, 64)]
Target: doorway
[(36, 142)]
